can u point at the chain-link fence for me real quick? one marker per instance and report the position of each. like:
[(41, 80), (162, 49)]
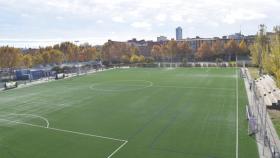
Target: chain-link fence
[(267, 135)]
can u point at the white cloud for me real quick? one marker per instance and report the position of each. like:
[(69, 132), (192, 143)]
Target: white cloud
[(141, 25), (99, 21), (189, 20), (243, 15), (177, 18), (59, 18), (118, 19), (24, 15), (229, 11), (161, 17)]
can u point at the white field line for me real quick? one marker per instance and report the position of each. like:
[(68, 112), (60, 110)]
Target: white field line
[(184, 87), (74, 132), (119, 148), (237, 124), (150, 84), (36, 116)]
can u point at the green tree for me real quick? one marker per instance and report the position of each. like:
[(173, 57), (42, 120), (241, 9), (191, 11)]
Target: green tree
[(260, 48), (274, 61)]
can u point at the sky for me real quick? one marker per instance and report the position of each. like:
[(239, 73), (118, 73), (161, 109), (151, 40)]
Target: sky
[(30, 23)]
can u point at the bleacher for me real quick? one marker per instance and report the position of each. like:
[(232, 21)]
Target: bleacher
[(266, 87)]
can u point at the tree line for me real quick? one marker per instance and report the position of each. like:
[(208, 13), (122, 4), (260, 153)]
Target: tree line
[(11, 57), (265, 52), (206, 52), (120, 52)]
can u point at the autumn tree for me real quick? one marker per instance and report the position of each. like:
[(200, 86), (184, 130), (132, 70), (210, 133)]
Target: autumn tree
[(107, 51), (116, 52), (112, 51), (10, 57), (46, 57), (217, 49), (141, 59), (70, 51), (56, 56), (243, 48), (132, 50), (27, 61), (184, 51), (171, 49), (90, 53), (204, 52), (156, 52), (125, 59), (164, 51), (231, 49), (37, 59), (134, 58)]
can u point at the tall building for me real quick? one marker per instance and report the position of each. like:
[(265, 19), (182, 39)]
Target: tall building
[(179, 33)]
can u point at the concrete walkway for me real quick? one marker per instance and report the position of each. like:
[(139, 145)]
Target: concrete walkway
[(266, 136)]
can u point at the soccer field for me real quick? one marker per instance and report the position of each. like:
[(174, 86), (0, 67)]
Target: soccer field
[(129, 113)]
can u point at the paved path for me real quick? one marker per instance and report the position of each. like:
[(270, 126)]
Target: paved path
[(264, 124)]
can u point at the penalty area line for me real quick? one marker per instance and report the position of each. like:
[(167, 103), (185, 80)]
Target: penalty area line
[(74, 132), (119, 148), (32, 115)]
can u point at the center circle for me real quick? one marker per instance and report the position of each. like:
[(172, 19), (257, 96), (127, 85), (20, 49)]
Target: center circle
[(121, 85)]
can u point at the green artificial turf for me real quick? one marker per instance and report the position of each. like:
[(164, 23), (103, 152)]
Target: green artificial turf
[(146, 113)]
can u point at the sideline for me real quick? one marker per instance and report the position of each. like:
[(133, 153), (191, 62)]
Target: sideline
[(237, 117)]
